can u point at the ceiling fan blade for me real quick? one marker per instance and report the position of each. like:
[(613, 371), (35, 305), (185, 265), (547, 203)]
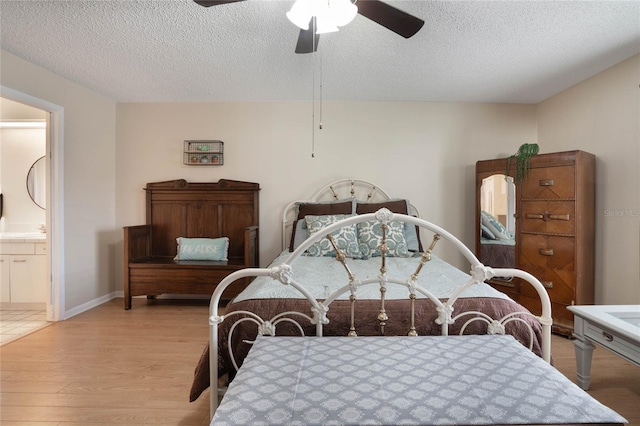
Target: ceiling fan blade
[(308, 39), (206, 3), (388, 16)]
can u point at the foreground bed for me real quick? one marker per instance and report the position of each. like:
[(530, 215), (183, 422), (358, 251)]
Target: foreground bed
[(425, 380), (324, 288)]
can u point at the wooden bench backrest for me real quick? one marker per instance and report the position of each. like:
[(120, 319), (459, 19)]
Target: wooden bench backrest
[(178, 208)]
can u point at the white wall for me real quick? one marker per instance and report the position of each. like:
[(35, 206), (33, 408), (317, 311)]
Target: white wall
[(19, 149), (89, 125), (422, 151), (602, 115)]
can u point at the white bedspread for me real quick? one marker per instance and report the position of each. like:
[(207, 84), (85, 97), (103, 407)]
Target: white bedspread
[(323, 275)]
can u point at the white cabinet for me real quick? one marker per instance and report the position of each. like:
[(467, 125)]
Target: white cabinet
[(23, 272), (5, 286), (27, 279)]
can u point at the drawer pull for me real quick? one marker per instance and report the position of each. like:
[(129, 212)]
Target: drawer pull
[(545, 252), (534, 216), (20, 260), (546, 182), (547, 284), (608, 337), (558, 216), (546, 216)]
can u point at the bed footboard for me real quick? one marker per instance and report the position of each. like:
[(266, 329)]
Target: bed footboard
[(422, 311)]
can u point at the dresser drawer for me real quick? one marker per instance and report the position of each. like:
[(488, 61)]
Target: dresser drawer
[(560, 284), (551, 259), (559, 312), (615, 343), (551, 217), (547, 251), (549, 183)]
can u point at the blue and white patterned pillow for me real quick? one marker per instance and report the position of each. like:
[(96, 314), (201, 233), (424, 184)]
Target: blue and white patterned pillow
[(346, 238), (370, 237)]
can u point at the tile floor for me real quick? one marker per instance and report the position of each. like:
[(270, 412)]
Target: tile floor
[(18, 323)]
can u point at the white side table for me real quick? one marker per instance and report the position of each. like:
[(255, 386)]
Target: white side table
[(614, 327)]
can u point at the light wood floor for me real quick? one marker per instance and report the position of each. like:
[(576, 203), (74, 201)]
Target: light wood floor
[(109, 366)]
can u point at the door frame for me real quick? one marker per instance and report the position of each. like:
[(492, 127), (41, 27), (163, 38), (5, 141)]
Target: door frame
[(55, 197)]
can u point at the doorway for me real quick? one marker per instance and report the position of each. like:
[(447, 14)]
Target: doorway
[(55, 306)]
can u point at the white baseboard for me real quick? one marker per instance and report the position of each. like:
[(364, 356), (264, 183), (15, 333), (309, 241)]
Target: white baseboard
[(90, 305), (96, 302)]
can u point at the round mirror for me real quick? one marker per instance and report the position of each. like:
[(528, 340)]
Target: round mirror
[(37, 182)]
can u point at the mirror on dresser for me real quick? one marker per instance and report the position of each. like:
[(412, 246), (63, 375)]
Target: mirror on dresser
[(496, 219), (37, 182)]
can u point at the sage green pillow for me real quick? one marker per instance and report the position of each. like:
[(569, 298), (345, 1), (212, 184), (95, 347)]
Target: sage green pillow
[(202, 248), (346, 238), (370, 237)]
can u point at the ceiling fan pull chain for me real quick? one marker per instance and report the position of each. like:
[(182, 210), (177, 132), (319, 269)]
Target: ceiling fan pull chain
[(313, 99), (320, 126), (313, 113)]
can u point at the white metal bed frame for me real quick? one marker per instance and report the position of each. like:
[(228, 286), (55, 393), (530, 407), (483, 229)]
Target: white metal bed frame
[(284, 274)]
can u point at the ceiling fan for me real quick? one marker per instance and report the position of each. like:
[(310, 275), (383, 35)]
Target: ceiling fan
[(388, 16)]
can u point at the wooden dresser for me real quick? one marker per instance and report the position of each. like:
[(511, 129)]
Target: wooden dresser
[(555, 231)]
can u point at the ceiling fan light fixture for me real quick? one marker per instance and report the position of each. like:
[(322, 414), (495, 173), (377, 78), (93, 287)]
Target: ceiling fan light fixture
[(325, 27), (301, 13), (343, 11), (330, 14), (325, 23)]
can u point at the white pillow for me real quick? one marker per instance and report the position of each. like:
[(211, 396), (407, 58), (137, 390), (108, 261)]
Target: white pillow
[(486, 232)]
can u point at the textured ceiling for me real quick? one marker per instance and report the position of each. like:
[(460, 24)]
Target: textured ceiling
[(469, 51)]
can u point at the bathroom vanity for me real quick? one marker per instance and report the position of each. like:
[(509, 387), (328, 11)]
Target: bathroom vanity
[(23, 268)]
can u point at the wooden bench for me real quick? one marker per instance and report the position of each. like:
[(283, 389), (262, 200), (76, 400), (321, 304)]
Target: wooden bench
[(178, 208)]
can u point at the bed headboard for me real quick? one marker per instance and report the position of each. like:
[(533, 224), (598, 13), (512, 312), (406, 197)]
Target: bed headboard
[(341, 189)]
